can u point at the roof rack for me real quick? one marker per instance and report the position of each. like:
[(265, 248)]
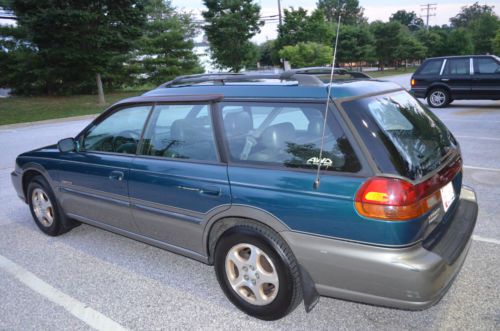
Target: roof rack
[(327, 71), (222, 78), (303, 76)]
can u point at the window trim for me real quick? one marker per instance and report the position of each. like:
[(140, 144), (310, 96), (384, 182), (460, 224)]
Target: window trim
[(442, 67), (364, 170)]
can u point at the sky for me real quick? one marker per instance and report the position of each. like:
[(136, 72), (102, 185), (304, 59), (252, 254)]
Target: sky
[(374, 10)]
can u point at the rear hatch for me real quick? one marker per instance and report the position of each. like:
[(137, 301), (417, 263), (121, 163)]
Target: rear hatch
[(407, 141)]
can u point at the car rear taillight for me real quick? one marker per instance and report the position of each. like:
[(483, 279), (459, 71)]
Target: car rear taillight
[(395, 199)]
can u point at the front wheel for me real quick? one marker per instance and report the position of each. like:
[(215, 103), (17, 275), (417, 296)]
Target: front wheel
[(258, 272), (438, 98), (45, 209)]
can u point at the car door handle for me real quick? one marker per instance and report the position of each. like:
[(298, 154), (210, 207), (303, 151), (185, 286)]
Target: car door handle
[(116, 175), (445, 79), (210, 190)]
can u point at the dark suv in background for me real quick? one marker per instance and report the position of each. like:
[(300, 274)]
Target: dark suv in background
[(444, 79)]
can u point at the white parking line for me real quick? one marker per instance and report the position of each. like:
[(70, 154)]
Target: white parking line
[(486, 240), (482, 138), (78, 309), (482, 168)]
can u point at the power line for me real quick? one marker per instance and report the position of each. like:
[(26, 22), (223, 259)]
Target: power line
[(429, 11)]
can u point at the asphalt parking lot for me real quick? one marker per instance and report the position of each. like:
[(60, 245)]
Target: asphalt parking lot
[(45, 282)]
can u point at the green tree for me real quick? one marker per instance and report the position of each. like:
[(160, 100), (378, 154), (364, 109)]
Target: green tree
[(409, 48), (471, 13), (268, 54), (298, 26), (307, 54), (165, 49), (352, 12), (482, 31), (230, 25), (434, 41), (356, 44), (496, 43), (459, 42), (72, 42), (387, 41), (408, 19)]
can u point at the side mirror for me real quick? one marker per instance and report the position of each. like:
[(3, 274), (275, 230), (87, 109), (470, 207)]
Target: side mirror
[(66, 145)]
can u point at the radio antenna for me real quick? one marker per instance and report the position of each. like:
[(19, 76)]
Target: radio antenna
[(318, 177)]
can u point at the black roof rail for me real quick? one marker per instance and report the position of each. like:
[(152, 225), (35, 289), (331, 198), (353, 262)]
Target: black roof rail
[(222, 78), (328, 70)]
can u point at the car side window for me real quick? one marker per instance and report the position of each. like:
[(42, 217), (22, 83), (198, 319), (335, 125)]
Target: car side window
[(457, 67), (180, 132), (431, 67), (287, 135), (118, 133), (486, 65)]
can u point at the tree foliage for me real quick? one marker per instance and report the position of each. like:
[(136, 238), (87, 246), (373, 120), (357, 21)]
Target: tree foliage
[(165, 49), (230, 25), (408, 19), (496, 43), (471, 13), (307, 54), (352, 12), (65, 43), (298, 26), (356, 44)]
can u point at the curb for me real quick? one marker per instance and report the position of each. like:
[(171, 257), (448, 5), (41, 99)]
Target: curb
[(55, 120)]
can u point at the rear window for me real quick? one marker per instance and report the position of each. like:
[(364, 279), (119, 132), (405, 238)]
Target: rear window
[(403, 137), (431, 67)]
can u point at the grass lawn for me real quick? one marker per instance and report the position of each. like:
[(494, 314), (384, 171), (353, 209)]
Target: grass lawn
[(30, 109), (391, 72)]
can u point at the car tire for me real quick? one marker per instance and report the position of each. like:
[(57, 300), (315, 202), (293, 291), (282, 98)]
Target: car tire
[(438, 98), (257, 271), (45, 209)]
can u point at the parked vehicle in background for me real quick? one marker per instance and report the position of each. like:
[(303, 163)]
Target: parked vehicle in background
[(443, 79), (222, 169)]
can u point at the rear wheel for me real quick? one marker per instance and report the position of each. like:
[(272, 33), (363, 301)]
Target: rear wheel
[(45, 210), (258, 272), (438, 98)]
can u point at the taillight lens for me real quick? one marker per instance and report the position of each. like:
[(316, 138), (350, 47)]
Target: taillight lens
[(393, 199), (398, 200)]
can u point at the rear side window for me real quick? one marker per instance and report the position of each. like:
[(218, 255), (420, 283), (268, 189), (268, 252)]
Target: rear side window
[(403, 138), (286, 135), (486, 65), (180, 132), (457, 67), (431, 67)]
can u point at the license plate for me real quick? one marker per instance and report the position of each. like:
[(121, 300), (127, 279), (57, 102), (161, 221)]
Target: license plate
[(447, 196)]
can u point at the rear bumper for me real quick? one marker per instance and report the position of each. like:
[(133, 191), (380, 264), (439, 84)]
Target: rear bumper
[(407, 278), (418, 92)]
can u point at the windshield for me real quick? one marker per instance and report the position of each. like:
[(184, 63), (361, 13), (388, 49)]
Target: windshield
[(403, 137)]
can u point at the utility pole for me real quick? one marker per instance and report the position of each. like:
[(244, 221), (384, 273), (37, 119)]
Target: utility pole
[(279, 13), (429, 10)]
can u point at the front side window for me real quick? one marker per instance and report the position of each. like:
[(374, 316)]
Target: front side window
[(486, 65), (118, 133), (431, 67), (287, 135), (457, 67), (180, 132)]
